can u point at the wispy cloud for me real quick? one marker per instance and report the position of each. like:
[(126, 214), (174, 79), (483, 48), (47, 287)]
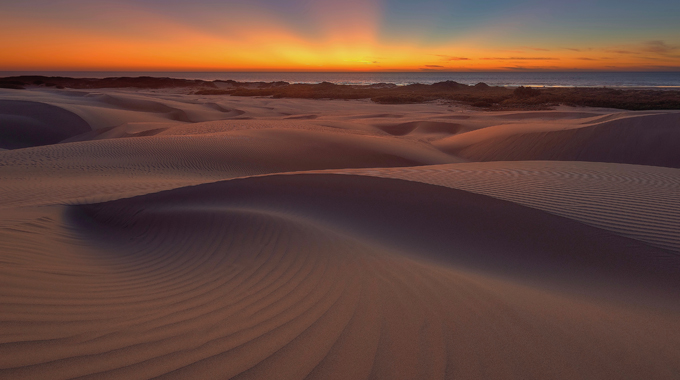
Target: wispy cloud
[(434, 66), (619, 51), (649, 49), (521, 59), (530, 68), (658, 47), (451, 58)]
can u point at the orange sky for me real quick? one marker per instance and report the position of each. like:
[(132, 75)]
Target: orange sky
[(349, 36)]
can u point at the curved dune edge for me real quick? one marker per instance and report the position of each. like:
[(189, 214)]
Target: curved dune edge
[(503, 125), (133, 166), (641, 139), (224, 280), (28, 123), (641, 202)]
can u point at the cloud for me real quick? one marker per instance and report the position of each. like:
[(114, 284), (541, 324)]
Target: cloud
[(649, 50), (532, 68), (587, 59), (521, 59), (620, 51), (451, 58), (658, 47), (434, 66)]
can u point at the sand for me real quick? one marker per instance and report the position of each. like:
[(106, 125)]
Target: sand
[(170, 235)]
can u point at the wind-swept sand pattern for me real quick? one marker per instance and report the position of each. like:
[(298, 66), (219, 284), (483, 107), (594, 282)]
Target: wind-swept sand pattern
[(642, 202), (213, 237)]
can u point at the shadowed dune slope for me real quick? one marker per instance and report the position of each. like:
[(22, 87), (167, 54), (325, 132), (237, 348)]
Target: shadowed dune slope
[(25, 124), (436, 128), (451, 225), (642, 202), (643, 140), (329, 276)]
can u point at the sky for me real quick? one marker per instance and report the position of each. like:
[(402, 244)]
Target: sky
[(340, 35)]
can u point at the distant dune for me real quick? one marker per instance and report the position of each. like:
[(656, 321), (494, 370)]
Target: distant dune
[(632, 139), (159, 233)]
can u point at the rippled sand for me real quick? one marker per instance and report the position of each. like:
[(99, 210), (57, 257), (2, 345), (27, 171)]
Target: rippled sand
[(184, 236)]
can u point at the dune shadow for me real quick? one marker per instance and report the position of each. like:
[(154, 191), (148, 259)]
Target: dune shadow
[(402, 129), (25, 124), (437, 224)]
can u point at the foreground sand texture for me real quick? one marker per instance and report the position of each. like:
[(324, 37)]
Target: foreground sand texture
[(169, 235)]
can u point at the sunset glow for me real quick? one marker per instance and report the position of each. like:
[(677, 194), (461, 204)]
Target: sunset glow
[(336, 36)]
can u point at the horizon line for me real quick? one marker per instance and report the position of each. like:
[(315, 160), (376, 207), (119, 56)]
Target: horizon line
[(337, 72)]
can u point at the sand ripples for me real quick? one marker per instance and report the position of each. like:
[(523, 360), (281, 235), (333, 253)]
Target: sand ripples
[(641, 202), (287, 250), (229, 284)]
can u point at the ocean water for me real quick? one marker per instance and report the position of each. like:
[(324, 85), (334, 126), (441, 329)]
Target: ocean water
[(508, 79)]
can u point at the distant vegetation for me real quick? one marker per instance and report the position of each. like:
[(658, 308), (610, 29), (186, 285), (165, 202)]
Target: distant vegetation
[(479, 95)]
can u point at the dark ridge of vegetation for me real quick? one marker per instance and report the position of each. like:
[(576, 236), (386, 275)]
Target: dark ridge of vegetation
[(629, 99), (480, 95), (251, 84), (12, 84), (117, 82), (522, 92)]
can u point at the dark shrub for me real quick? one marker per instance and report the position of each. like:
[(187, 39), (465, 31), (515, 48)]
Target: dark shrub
[(522, 92)]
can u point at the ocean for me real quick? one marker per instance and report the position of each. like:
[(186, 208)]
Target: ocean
[(508, 79)]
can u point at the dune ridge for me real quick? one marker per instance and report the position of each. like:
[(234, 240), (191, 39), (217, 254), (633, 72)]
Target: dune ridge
[(643, 140), (24, 124), (635, 201)]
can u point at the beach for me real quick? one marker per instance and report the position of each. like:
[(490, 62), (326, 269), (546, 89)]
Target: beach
[(176, 233)]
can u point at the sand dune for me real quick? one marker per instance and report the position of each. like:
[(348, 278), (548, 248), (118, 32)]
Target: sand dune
[(133, 166), (644, 140), (428, 130), (338, 239), (25, 124), (248, 278), (642, 202)]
